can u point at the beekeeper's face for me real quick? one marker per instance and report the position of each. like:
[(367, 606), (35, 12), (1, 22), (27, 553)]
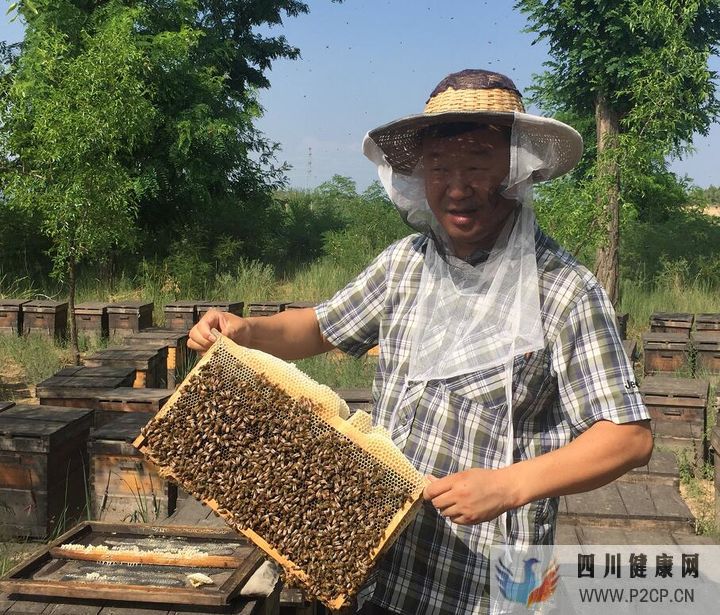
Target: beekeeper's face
[(464, 175)]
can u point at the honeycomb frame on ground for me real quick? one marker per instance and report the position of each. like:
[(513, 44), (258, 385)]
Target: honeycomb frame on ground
[(327, 418)]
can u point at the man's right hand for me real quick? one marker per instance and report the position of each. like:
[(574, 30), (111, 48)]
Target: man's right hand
[(230, 325)]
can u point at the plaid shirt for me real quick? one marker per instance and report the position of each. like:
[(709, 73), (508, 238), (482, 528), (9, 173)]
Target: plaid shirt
[(445, 426)]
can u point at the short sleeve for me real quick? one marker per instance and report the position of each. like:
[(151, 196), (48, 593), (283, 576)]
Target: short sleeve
[(351, 319), (595, 378)]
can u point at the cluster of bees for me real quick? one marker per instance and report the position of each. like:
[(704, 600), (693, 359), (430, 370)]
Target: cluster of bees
[(273, 466)]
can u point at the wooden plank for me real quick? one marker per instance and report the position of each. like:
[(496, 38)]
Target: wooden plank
[(156, 559), (602, 502), (565, 534), (637, 500), (593, 535), (668, 386), (27, 607), (60, 608)]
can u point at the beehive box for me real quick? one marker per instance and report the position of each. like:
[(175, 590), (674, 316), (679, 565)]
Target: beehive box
[(123, 485), (150, 365), (4, 405), (111, 404), (129, 317), (666, 352), (43, 468), (707, 351), (267, 308), (233, 307), (79, 386), (91, 319), (676, 399), (46, 317), (671, 322), (178, 353), (275, 454), (715, 450), (707, 322), (357, 398), (180, 315), (11, 315)]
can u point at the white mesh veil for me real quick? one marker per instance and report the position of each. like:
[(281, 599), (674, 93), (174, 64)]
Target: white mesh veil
[(469, 318)]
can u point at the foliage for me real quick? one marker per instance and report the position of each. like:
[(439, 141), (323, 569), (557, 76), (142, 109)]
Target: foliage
[(372, 223), (641, 65), (73, 112)]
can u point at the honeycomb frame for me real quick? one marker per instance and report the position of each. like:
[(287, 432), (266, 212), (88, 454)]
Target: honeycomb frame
[(332, 412)]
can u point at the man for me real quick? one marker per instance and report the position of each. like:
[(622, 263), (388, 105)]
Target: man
[(480, 318)]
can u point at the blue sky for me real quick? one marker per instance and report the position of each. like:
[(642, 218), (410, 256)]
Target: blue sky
[(367, 62)]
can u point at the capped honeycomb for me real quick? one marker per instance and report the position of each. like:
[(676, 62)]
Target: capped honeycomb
[(279, 458)]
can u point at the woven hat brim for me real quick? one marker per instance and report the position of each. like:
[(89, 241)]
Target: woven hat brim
[(401, 142)]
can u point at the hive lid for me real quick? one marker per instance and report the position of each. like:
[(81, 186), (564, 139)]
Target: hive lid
[(708, 317), (44, 306), (181, 306), (40, 421), (707, 339), (673, 316), (130, 307), (227, 305), (663, 337), (125, 428), (133, 394), (12, 305), (159, 334), (671, 386)]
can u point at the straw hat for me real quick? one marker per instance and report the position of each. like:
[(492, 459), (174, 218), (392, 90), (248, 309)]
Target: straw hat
[(477, 96)]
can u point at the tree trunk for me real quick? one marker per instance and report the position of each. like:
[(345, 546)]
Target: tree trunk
[(72, 273), (607, 262)]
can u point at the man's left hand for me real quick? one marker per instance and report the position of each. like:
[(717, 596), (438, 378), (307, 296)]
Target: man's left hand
[(469, 497)]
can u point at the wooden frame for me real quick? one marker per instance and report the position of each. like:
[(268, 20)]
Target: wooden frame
[(345, 427), (20, 579)]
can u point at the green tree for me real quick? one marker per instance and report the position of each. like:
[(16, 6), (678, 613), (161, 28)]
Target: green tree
[(639, 67), (124, 111), (74, 110)]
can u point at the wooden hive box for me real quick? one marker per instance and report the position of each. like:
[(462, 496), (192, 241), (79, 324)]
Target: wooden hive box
[(111, 404), (671, 322), (357, 398), (46, 317), (320, 460), (4, 405), (43, 469), (234, 307), (715, 451), (178, 353), (150, 365), (123, 485), (666, 352), (180, 315), (707, 322), (676, 399), (79, 386), (11, 315), (267, 308), (129, 317), (91, 319), (707, 351)]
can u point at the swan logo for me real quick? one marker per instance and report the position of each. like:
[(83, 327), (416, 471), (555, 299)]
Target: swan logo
[(533, 587)]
